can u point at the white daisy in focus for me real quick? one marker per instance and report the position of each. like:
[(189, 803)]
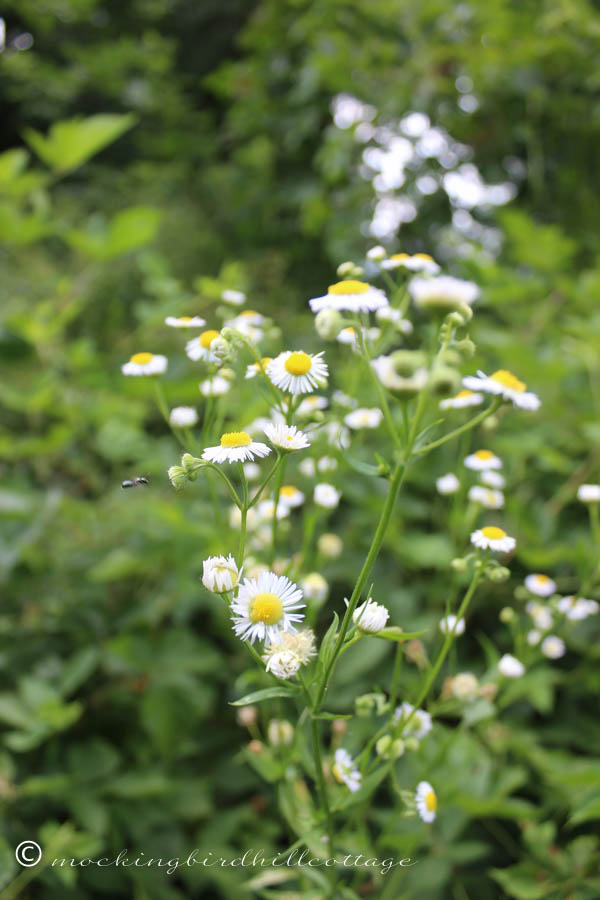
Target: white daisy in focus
[(291, 496), (364, 418), (265, 607), (283, 665), (184, 321), (510, 667), (447, 484), (220, 574), (344, 770), (486, 497), (426, 801), (540, 614), (418, 262), (417, 721), (256, 368), (492, 479), (183, 416), (506, 385), (326, 495), (199, 347), (286, 437), (450, 625), (588, 493), (541, 585), (355, 296), (577, 608), (493, 538), (297, 372), (442, 293), (482, 460), (553, 647), (236, 446), (462, 400), (235, 298), (145, 364), (215, 386), (370, 617)]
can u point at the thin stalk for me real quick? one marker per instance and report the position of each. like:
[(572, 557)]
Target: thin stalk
[(321, 786), (164, 411), (265, 482), (244, 510), (276, 494), (470, 424)]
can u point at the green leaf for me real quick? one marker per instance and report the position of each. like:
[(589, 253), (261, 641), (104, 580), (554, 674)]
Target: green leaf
[(72, 142), (129, 230), (588, 808), (328, 715), (267, 694), (395, 633), (362, 467), (328, 642)]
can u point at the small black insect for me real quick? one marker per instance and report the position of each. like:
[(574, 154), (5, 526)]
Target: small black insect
[(136, 481)]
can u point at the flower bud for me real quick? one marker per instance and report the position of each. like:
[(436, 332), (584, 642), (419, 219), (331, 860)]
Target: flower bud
[(459, 564), (388, 748), (344, 269), (507, 614), (280, 732), (369, 703), (376, 254), (177, 476), (247, 716), (415, 653), (497, 574), (411, 743), (222, 349), (444, 381), (220, 574), (406, 362), (330, 545), (466, 347), (328, 324)]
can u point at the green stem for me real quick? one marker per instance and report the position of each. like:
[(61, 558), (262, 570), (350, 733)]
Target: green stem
[(244, 511), (379, 389), (276, 494), (394, 487), (263, 485), (470, 424), (321, 786)]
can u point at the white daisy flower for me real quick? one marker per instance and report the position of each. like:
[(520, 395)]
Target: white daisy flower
[(300, 643), (235, 298), (541, 615), (376, 254), (364, 418), (450, 624), (389, 314), (355, 296), (326, 495), (447, 484), (534, 637), (492, 479), (443, 293), (541, 585), (461, 400), (183, 416), (464, 686), (265, 607), (493, 538), (418, 262), (577, 608), (486, 497), (344, 770), (290, 496), (482, 460), (418, 725), (343, 399), (589, 493), (327, 464), (553, 647), (215, 386), (236, 446), (510, 667), (249, 323), (349, 335), (220, 574), (298, 372), (505, 384), (145, 364), (399, 384), (370, 617), (185, 321), (286, 437), (199, 347), (265, 510), (426, 801), (283, 665), (315, 587), (330, 545), (255, 369), (311, 405)]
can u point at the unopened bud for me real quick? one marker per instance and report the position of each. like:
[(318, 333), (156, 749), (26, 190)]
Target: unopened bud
[(344, 269), (497, 574), (507, 614), (328, 324), (444, 381), (280, 732), (247, 716), (411, 743), (177, 477), (415, 653), (222, 349)]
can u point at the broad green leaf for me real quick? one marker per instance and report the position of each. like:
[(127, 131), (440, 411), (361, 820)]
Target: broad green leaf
[(72, 142), (129, 230)]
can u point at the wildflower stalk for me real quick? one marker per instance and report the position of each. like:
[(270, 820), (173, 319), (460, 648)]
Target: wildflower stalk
[(379, 389), (321, 786), (467, 425), (164, 411), (244, 511)]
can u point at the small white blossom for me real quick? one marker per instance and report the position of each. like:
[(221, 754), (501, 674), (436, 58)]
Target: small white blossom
[(447, 484), (510, 667), (589, 493), (450, 625), (553, 647), (493, 538), (506, 385), (235, 446), (326, 495), (462, 400), (220, 574), (315, 587), (426, 801), (184, 322), (541, 585), (482, 460), (492, 479), (486, 497), (145, 364), (417, 724), (370, 616), (183, 416), (235, 298), (364, 418), (298, 372), (345, 771), (286, 437), (354, 296)]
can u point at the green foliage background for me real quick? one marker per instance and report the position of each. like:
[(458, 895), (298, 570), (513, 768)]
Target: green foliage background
[(215, 158)]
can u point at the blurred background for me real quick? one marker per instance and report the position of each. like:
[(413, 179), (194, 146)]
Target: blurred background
[(255, 146)]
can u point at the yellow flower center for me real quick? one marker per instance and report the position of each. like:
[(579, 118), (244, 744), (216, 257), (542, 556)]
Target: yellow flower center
[(235, 439), (141, 359), (508, 380), (348, 287), (298, 363), (399, 257), (462, 394), (266, 608), (336, 773), (288, 490), (492, 533), (431, 801), (207, 337), (350, 331), (248, 313), (185, 318), (542, 578), (265, 361), (484, 454), (425, 256)]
